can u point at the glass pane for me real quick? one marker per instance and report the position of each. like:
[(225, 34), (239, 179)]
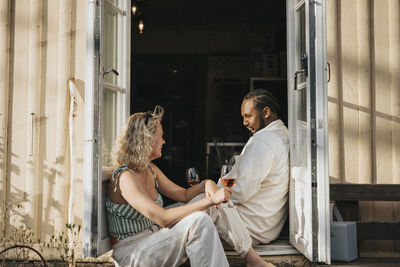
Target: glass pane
[(300, 98), (115, 2), (300, 135), (301, 42), (109, 123), (110, 43)]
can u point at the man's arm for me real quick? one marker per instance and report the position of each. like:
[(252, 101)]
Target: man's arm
[(252, 168)]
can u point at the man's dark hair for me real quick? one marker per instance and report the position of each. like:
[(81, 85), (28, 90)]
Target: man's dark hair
[(263, 98)]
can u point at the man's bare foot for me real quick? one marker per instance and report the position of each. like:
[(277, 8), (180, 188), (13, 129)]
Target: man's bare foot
[(252, 259)]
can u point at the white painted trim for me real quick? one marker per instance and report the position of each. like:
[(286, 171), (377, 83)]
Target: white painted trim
[(33, 115), (91, 128), (72, 150), (4, 93), (324, 248), (315, 249), (114, 88), (127, 59), (302, 241), (114, 7), (123, 106)]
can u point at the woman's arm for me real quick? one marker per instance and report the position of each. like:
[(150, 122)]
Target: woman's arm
[(134, 193), (174, 191)]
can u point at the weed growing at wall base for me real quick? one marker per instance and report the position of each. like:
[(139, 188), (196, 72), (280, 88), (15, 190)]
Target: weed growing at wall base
[(21, 245)]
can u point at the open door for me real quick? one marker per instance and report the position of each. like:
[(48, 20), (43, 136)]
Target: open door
[(107, 104), (308, 129)]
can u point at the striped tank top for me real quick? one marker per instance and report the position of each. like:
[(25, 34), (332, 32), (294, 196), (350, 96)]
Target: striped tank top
[(123, 219)]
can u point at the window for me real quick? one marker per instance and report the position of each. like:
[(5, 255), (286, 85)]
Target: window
[(107, 84), (115, 105)]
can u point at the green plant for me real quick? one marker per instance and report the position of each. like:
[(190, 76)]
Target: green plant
[(63, 244), (17, 243)]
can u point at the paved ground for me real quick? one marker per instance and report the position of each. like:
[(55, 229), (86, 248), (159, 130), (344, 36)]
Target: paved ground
[(236, 261), (375, 260)]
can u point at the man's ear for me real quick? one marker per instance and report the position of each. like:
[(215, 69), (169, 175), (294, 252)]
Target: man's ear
[(266, 112)]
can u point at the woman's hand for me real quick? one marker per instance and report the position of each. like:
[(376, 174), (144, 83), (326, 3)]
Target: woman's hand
[(210, 187), (221, 196)]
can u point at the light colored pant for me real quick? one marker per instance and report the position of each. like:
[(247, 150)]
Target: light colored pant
[(194, 236), (230, 226)]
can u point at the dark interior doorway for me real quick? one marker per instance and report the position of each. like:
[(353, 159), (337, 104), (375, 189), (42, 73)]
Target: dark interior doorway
[(198, 59), (177, 83)]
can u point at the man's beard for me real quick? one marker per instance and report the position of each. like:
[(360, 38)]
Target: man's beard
[(261, 123)]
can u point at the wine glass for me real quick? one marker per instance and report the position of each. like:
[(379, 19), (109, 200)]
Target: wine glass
[(192, 176), (227, 181)]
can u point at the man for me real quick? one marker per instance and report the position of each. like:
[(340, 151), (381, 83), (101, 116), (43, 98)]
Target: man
[(262, 169)]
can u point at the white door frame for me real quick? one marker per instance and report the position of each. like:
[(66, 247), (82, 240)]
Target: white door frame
[(309, 184), (95, 240)]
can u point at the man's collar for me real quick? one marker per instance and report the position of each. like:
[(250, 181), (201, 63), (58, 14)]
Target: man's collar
[(272, 125)]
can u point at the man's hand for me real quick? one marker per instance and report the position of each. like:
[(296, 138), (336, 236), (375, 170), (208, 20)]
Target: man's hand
[(221, 196)]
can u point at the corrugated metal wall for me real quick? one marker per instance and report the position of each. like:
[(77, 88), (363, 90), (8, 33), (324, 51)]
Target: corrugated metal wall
[(364, 100), (42, 45)]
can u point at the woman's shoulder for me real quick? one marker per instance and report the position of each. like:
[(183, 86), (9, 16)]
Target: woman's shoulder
[(123, 171), (128, 173)]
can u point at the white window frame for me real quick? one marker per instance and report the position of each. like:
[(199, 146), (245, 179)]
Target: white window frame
[(95, 240)]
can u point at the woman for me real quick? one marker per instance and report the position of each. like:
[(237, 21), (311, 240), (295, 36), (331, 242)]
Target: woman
[(146, 234), (143, 232)]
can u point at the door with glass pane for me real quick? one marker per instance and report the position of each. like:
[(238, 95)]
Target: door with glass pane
[(307, 97), (109, 51), (114, 107), (115, 56)]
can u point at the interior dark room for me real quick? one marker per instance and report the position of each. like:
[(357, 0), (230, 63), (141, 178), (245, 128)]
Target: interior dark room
[(197, 59)]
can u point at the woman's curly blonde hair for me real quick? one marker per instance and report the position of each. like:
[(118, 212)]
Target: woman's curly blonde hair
[(133, 147)]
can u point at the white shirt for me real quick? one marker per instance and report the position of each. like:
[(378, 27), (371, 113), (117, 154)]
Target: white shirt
[(261, 191)]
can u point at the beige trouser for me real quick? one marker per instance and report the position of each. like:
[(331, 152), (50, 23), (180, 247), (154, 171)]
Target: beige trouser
[(194, 237), (230, 226)]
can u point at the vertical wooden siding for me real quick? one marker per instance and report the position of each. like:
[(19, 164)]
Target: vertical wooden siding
[(4, 85), (43, 35), (363, 48)]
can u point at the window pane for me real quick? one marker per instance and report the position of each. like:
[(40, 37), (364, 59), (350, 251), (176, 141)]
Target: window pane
[(110, 44), (301, 42), (299, 158), (115, 2), (109, 123)]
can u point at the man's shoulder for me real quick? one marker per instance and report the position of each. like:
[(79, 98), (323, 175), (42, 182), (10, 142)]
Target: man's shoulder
[(272, 136)]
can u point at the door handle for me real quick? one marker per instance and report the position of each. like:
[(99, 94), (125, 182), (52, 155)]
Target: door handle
[(110, 70), (328, 69)]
